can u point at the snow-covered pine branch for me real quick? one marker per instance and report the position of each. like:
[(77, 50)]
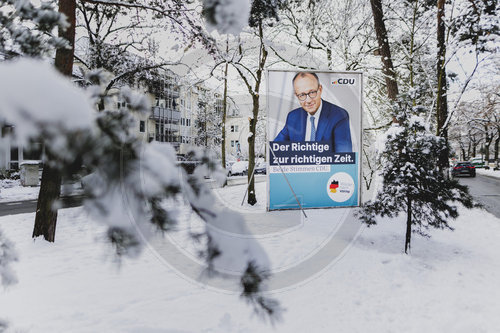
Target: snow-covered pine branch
[(132, 188), (27, 29)]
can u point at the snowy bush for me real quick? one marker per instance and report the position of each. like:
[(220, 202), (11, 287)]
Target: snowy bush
[(27, 28)]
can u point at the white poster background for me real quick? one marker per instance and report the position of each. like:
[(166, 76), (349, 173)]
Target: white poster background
[(337, 89)]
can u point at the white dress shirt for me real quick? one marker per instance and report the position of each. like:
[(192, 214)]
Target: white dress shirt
[(316, 120)]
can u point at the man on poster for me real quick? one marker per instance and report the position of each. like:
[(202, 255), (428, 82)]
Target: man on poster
[(316, 119)]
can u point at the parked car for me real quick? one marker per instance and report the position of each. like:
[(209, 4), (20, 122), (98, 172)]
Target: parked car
[(260, 168), (238, 168), (463, 168), (477, 162)]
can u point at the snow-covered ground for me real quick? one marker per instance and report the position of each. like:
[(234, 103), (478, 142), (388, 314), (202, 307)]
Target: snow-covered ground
[(449, 283), (490, 172), (11, 190)]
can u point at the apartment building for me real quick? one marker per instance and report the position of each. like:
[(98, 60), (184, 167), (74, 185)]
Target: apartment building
[(182, 115)]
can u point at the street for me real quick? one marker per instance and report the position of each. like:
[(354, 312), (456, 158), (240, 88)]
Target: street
[(29, 206), (486, 190)]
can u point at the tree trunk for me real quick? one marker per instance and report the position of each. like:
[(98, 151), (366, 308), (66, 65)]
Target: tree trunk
[(46, 215), (252, 198), (224, 111), (329, 58), (50, 187), (64, 57), (385, 51), (205, 126), (487, 143), (442, 101), (408, 226), (412, 48), (497, 141)]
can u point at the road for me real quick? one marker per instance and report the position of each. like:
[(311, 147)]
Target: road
[(29, 206), (486, 190)]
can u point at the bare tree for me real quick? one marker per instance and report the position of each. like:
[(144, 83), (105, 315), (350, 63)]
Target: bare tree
[(179, 15), (50, 187), (384, 49)]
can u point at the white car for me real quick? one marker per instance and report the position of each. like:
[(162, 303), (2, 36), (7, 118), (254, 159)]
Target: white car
[(238, 168)]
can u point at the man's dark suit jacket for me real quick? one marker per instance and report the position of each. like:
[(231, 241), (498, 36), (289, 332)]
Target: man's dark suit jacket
[(333, 126)]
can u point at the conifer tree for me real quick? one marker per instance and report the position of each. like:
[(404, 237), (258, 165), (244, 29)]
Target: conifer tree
[(412, 183)]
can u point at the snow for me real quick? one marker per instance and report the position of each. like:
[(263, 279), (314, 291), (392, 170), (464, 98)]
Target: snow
[(11, 190), (239, 167), (391, 132), (449, 283), (230, 16), (417, 121), (489, 173), (30, 162), (7, 256), (157, 158), (34, 97)]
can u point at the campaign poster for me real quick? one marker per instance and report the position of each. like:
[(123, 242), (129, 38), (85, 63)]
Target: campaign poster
[(314, 132)]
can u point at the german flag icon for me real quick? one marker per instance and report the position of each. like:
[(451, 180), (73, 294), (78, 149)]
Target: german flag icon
[(333, 186)]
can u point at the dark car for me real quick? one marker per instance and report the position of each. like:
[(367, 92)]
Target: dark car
[(463, 168), (260, 168)]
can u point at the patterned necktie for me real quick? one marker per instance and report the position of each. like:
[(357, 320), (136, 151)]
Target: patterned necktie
[(313, 130)]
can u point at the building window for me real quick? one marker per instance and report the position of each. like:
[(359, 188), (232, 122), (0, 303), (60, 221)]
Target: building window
[(232, 143), (33, 152), (234, 128), (14, 153), (142, 126)]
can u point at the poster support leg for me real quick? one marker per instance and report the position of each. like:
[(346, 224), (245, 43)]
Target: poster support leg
[(242, 201), (289, 185)]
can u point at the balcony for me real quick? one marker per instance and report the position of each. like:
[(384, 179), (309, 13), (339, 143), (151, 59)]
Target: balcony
[(166, 115), (164, 88), (174, 140)]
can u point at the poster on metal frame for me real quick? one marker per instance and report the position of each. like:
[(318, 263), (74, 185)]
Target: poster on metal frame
[(314, 132)]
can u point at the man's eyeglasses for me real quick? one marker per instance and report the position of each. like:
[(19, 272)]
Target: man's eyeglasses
[(311, 94)]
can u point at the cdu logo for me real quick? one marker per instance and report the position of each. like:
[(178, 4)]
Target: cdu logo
[(344, 81)]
